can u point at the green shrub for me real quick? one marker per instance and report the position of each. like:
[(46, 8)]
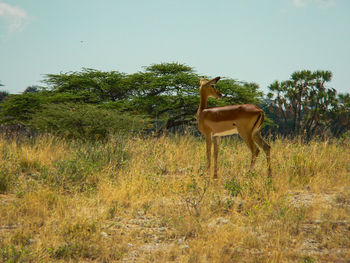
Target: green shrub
[(234, 187), (83, 121), (10, 253), (18, 108), (66, 251)]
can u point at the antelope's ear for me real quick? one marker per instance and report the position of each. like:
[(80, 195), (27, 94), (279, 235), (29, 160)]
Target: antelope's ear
[(213, 81)]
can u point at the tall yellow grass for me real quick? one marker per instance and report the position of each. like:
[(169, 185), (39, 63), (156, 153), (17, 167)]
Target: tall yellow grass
[(151, 200)]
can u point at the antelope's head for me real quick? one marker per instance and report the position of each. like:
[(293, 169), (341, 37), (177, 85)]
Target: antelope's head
[(208, 89)]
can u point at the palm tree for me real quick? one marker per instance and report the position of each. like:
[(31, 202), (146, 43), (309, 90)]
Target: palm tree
[(341, 124), (306, 100)]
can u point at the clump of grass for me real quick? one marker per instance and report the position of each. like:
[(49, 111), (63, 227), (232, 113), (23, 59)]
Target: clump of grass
[(10, 253), (4, 182)]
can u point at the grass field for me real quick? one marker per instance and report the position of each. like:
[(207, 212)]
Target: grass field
[(151, 200)]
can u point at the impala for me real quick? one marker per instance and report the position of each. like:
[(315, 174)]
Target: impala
[(246, 120)]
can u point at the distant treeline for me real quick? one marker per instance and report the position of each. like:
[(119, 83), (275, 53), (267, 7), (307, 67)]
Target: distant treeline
[(92, 104)]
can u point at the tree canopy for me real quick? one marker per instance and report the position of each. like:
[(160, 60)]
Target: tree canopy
[(165, 96)]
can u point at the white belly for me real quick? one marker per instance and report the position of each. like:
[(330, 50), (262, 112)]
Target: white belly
[(227, 132)]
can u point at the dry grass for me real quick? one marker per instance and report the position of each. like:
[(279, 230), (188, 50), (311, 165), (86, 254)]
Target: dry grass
[(150, 200)]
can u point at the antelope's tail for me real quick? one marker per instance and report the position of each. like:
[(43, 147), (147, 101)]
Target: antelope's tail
[(259, 122)]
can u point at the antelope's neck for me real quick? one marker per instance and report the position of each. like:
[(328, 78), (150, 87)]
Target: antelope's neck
[(203, 104)]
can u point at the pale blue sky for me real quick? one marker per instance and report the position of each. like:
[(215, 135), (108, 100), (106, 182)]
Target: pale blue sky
[(252, 40)]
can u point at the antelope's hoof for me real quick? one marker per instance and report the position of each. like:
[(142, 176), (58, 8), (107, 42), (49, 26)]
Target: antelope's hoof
[(269, 173)]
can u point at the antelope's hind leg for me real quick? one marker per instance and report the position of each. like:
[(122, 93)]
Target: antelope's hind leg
[(248, 139), (267, 149)]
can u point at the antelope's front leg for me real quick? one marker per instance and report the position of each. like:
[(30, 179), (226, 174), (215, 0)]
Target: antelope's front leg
[(208, 141), (216, 152)]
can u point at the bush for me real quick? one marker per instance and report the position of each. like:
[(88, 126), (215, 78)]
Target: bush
[(234, 187), (18, 108), (83, 121)]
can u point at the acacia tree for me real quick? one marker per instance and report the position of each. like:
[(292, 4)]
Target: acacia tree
[(166, 94), (169, 93), (91, 85)]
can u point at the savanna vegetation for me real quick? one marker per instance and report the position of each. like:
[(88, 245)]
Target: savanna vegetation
[(107, 166), (164, 97), (150, 200)]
